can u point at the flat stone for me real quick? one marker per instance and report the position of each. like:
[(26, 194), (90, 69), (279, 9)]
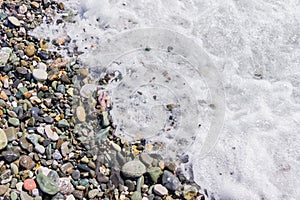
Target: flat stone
[(26, 162), (42, 66), (3, 189), (80, 113), (39, 74), (14, 21), (93, 193), (25, 196), (64, 149), (22, 70), (14, 121), (133, 169), (4, 55), (10, 156), (50, 133), (67, 168), (3, 139), (160, 190), (29, 184), (30, 50), (47, 185), (13, 196), (76, 174), (146, 159), (11, 134)]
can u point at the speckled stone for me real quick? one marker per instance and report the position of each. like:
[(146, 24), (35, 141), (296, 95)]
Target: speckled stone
[(47, 185)]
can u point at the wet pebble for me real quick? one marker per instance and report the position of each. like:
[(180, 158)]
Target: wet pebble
[(47, 185), (133, 169), (14, 121)]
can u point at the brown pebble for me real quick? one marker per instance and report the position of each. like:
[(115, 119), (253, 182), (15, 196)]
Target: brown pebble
[(26, 162), (30, 50), (3, 95)]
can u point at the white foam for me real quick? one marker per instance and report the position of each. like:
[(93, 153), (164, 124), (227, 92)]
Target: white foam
[(258, 151)]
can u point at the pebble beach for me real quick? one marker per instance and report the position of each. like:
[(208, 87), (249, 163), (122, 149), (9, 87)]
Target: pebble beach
[(57, 137)]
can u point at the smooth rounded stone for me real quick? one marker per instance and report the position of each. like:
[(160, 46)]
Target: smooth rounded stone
[(39, 148), (35, 112), (5, 53), (67, 168), (105, 120), (80, 113), (14, 168), (170, 181), (29, 184), (19, 186), (47, 185), (115, 146), (84, 160), (160, 190), (13, 196), (140, 183), (63, 123), (87, 90), (22, 70), (22, 9), (26, 162), (10, 156), (130, 185), (25, 144), (30, 50), (61, 88), (58, 196), (48, 120), (33, 138), (39, 74), (25, 196), (56, 155), (136, 196), (14, 121), (3, 139), (155, 173), (14, 21), (146, 159), (35, 192), (93, 193), (3, 189), (84, 182), (50, 133), (133, 169), (42, 66), (70, 197), (65, 186), (78, 194), (76, 174), (64, 148), (11, 134)]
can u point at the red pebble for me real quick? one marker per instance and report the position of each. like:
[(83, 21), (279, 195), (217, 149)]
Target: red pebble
[(29, 184)]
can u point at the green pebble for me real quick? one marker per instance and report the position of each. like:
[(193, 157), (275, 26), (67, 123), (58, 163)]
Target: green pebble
[(47, 185), (13, 196), (136, 196), (14, 121), (63, 123), (84, 182), (23, 89), (155, 173)]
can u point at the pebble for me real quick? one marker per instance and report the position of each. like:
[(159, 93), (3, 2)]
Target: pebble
[(47, 185), (42, 66), (76, 174), (64, 149), (160, 190), (30, 50), (133, 169), (155, 173), (39, 74), (63, 123), (29, 184), (87, 90), (26, 162), (10, 155), (3, 139), (22, 9), (14, 168), (25, 196), (14, 21), (70, 197), (136, 196), (3, 189), (146, 159), (170, 181), (65, 186), (67, 168), (4, 55), (93, 193), (14, 121), (11, 134), (50, 133), (13, 196), (3, 95), (80, 113)]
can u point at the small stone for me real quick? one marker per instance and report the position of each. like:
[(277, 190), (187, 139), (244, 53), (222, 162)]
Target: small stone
[(160, 190), (78, 194), (133, 169), (35, 4), (29, 184), (3, 95), (10, 156), (136, 196), (80, 113), (22, 9), (65, 186), (67, 168), (13, 20), (130, 185), (46, 184), (61, 88), (63, 123), (3, 189), (35, 192), (30, 50), (4, 55), (42, 66), (26, 162), (3, 139), (84, 160), (115, 146), (14, 168), (146, 159), (76, 174), (93, 193), (13, 196), (25, 196), (22, 70), (19, 186), (48, 120), (39, 148), (87, 90), (39, 74), (64, 149), (50, 133), (11, 134), (14, 121), (170, 181), (155, 173), (190, 192), (70, 197)]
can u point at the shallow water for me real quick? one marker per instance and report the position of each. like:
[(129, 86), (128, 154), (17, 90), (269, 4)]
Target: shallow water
[(255, 46)]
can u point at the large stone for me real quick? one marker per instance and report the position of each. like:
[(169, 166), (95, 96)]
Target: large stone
[(13, 20), (133, 169), (3, 139), (14, 121), (47, 185), (4, 55), (170, 181)]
